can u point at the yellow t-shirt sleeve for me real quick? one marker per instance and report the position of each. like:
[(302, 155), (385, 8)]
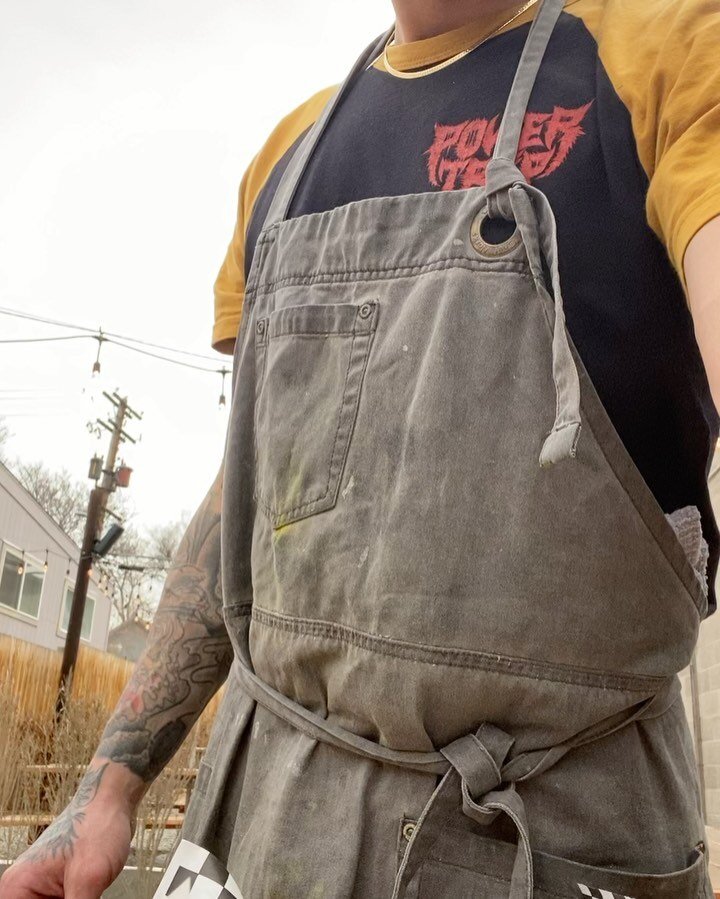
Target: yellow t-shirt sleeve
[(229, 290), (663, 59)]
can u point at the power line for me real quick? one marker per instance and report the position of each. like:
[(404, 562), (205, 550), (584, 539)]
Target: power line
[(95, 332), (101, 336), (50, 412), (135, 349), (46, 339)]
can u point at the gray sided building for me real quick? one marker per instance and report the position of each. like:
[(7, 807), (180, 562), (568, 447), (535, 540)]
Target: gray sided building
[(38, 567)]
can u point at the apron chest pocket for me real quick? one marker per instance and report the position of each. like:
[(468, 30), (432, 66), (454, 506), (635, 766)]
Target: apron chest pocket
[(310, 363)]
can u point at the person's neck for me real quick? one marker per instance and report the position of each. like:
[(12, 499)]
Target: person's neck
[(416, 20)]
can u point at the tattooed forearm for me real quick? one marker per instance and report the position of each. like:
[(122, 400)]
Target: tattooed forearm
[(186, 659), (60, 837)]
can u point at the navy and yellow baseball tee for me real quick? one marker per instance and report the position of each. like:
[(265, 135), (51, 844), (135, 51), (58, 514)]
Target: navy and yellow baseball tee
[(622, 135)]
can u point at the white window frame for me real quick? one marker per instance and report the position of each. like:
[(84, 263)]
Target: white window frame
[(69, 585), (25, 558)]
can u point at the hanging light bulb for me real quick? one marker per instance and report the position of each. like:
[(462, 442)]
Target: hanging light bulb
[(45, 566), (67, 573), (96, 363), (221, 401), (21, 566)]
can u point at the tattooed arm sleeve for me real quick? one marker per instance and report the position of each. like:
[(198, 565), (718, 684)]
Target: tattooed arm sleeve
[(186, 659)]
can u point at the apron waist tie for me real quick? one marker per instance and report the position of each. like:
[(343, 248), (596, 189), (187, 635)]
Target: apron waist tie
[(486, 778), (477, 765), (478, 758), (481, 773)]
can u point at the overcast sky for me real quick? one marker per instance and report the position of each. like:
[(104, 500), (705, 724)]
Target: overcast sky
[(126, 126)]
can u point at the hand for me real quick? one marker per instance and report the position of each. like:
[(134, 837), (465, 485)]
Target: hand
[(80, 853)]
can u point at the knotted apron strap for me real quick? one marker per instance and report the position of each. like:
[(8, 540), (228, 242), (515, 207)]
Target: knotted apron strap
[(478, 762), (487, 787), (478, 759), (501, 170), (532, 213), (504, 197)]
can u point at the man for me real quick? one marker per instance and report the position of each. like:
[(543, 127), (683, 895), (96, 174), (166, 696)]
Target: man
[(455, 623)]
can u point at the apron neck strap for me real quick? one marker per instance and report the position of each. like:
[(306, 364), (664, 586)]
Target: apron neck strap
[(293, 173), (502, 171)]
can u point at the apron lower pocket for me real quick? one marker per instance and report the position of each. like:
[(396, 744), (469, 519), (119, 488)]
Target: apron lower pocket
[(466, 866)]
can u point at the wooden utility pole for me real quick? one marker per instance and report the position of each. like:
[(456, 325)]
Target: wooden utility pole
[(93, 523)]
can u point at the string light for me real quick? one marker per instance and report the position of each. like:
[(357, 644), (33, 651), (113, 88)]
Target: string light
[(96, 363), (221, 402), (101, 338), (121, 340), (48, 552)]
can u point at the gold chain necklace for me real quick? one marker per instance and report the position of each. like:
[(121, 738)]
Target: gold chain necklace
[(398, 73)]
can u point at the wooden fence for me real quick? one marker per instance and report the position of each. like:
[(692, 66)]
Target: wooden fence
[(29, 677), (30, 674)]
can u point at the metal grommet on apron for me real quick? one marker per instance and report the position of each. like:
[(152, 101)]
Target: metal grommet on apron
[(444, 575), (484, 247)]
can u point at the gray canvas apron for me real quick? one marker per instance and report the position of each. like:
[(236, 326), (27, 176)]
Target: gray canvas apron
[(458, 611)]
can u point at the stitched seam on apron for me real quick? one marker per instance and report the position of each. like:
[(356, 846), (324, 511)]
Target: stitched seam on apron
[(377, 274), (456, 658), (322, 334)]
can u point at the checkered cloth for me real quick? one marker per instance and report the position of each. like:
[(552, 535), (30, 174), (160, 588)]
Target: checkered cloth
[(599, 894), (195, 873)]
